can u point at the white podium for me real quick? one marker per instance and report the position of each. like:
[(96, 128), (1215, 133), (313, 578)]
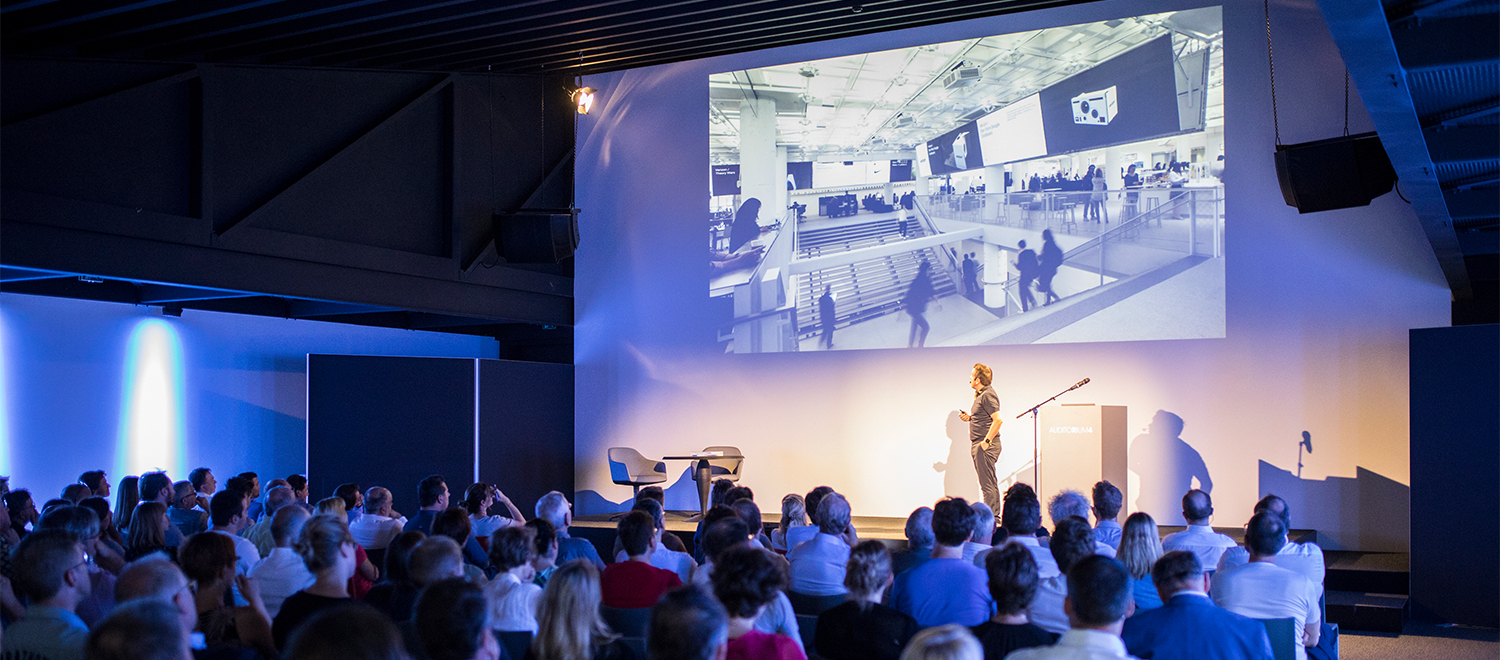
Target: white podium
[(1081, 443)]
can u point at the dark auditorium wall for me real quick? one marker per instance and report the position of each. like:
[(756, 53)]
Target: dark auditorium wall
[(526, 429), (1455, 457), (1318, 310)]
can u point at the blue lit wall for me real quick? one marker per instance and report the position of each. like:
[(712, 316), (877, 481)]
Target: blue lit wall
[(88, 385)]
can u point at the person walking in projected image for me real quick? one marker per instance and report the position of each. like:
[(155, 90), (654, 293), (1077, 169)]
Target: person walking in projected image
[(916, 305), (1048, 262), (827, 317), (984, 433)]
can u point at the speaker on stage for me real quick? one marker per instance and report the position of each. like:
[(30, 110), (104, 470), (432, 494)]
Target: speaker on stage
[(1336, 173)]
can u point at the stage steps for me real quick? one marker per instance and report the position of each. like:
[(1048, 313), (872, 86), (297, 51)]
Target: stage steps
[(1367, 591), (864, 289)]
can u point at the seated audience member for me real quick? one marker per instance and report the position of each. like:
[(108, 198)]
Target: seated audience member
[(379, 524), (452, 622), (127, 496), (797, 535), (109, 535), (227, 509), (543, 551), (1199, 538), (396, 593), (863, 628), (715, 515), (365, 572), (157, 578), (353, 500), (984, 533), (260, 532), (746, 580), (477, 502), (1021, 515), (1305, 559), (329, 552), (454, 523), (817, 565), (346, 631), (569, 624), (1013, 584), (298, 484), (75, 493), (148, 532), (919, 541), (185, 514), (22, 511), (157, 487), (1263, 590), (1072, 503), (945, 589), (1140, 547), (141, 630), (661, 557), (84, 526), (432, 499), (1107, 503), (668, 541), (282, 573), (97, 482), (52, 574), (555, 509), (947, 642), (793, 514), (254, 509), (512, 595), (1098, 602), (1189, 626), (203, 483), (208, 560), (1073, 541), (749, 512), (725, 534), (687, 624), (635, 583)]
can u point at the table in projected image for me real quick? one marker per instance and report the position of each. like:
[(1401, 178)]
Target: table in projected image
[(1080, 444)]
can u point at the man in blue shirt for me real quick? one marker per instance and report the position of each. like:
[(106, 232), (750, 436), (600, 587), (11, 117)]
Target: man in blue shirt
[(52, 571), (554, 508), (945, 589), (1188, 624)]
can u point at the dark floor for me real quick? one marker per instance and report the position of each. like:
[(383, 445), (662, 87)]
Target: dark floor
[(1420, 641)]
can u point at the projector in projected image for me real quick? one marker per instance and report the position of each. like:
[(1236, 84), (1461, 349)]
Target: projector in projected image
[(1095, 108)]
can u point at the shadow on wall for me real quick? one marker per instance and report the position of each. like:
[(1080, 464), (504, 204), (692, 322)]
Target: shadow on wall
[(959, 479), (1167, 466), (682, 495), (1368, 512), (285, 452)]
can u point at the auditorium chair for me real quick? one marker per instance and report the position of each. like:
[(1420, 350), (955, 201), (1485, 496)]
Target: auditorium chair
[(630, 622), (627, 467), (723, 468), (1284, 636), (814, 605), (807, 629)]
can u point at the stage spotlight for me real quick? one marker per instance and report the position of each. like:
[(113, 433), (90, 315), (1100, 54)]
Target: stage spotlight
[(584, 97)]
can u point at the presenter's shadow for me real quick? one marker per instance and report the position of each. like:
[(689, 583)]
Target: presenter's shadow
[(959, 479), (1168, 468)]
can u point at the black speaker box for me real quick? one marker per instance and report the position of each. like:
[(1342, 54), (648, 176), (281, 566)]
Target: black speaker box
[(1336, 173), (536, 236)]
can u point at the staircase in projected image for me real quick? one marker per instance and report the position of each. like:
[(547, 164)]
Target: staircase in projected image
[(864, 289)]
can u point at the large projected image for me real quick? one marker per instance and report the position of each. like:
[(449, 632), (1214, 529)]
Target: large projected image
[(1050, 186)]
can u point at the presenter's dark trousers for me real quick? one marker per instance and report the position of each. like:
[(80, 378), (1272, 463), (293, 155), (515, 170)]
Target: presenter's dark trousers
[(984, 466)]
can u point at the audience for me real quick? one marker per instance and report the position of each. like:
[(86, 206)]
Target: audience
[(298, 484), (142, 630), (1098, 602), (148, 532), (817, 565), (984, 533), (204, 485), (74, 493), (282, 572), (22, 511), (83, 525), (1140, 547), (797, 535), (946, 642), (555, 508), (1305, 559), (353, 500), (862, 628), (543, 550), (1071, 503), (1262, 590), (209, 561), (97, 482), (1188, 626), (453, 623), (1107, 503), (1199, 538), (660, 556), (745, 581), (1013, 584), (328, 551), (1021, 516), (512, 595), (919, 541), (477, 502), (432, 499), (52, 574), (687, 624), (127, 496), (793, 514), (1072, 542), (227, 508), (379, 524), (185, 514), (454, 523), (569, 625), (945, 589), (396, 593), (728, 533), (260, 533), (346, 631), (109, 535), (635, 583)]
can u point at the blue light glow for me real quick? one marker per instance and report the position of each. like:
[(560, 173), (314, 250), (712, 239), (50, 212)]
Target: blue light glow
[(151, 405)]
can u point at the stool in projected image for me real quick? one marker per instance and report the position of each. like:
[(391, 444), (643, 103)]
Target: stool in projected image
[(721, 462), (1081, 443)]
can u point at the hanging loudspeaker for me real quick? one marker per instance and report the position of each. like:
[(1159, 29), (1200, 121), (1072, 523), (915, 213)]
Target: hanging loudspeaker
[(536, 236)]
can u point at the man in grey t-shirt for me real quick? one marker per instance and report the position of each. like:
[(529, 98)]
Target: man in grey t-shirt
[(984, 433)]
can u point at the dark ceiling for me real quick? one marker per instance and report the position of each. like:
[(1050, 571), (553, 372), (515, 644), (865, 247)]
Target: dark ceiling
[(529, 37)]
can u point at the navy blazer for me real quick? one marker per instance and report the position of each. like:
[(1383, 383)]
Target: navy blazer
[(1191, 627)]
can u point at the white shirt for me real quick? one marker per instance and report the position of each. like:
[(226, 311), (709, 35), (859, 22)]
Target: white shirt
[(1262, 590), (680, 563), (818, 566), (1077, 645), (972, 550), (1046, 610), (797, 535), (1305, 559), (374, 532), (245, 554), (1046, 566), (1200, 540), (513, 604), (281, 574), (487, 525)]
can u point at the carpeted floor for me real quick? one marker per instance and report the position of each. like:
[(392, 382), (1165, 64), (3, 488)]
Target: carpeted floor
[(1420, 641)]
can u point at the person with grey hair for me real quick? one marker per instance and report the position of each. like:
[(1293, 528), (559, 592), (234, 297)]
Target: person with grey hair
[(818, 565), (83, 524), (260, 533), (183, 510), (984, 532), (52, 573), (141, 630), (157, 578), (380, 522), (919, 540), (282, 572), (1068, 503), (862, 628), (1199, 538), (555, 509)]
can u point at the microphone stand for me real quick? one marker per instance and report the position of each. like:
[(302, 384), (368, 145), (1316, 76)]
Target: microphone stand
[(1036, 435)]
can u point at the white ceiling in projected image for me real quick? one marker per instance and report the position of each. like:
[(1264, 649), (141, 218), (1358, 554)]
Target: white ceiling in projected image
[(892, 101)]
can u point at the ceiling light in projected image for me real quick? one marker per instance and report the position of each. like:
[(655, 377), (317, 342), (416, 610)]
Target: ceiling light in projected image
[(151, 403)]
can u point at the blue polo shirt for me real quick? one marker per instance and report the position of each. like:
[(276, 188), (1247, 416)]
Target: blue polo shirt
[(942, 591)]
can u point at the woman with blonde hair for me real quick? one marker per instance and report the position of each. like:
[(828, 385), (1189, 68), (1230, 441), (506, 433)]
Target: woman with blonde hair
[(569, 626), (949, 642), (366, 573), (148, 532), (329, 553), (1140, 547), (793, 514)]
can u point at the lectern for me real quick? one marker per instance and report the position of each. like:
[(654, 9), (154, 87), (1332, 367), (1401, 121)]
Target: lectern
[(1081, 443)]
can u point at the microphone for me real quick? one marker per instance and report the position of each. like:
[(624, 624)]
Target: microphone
[(1307, 441), (1081, 383)]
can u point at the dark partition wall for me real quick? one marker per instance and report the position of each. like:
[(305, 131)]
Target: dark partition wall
[(390, 421), (526, 429), (1455, 457)]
